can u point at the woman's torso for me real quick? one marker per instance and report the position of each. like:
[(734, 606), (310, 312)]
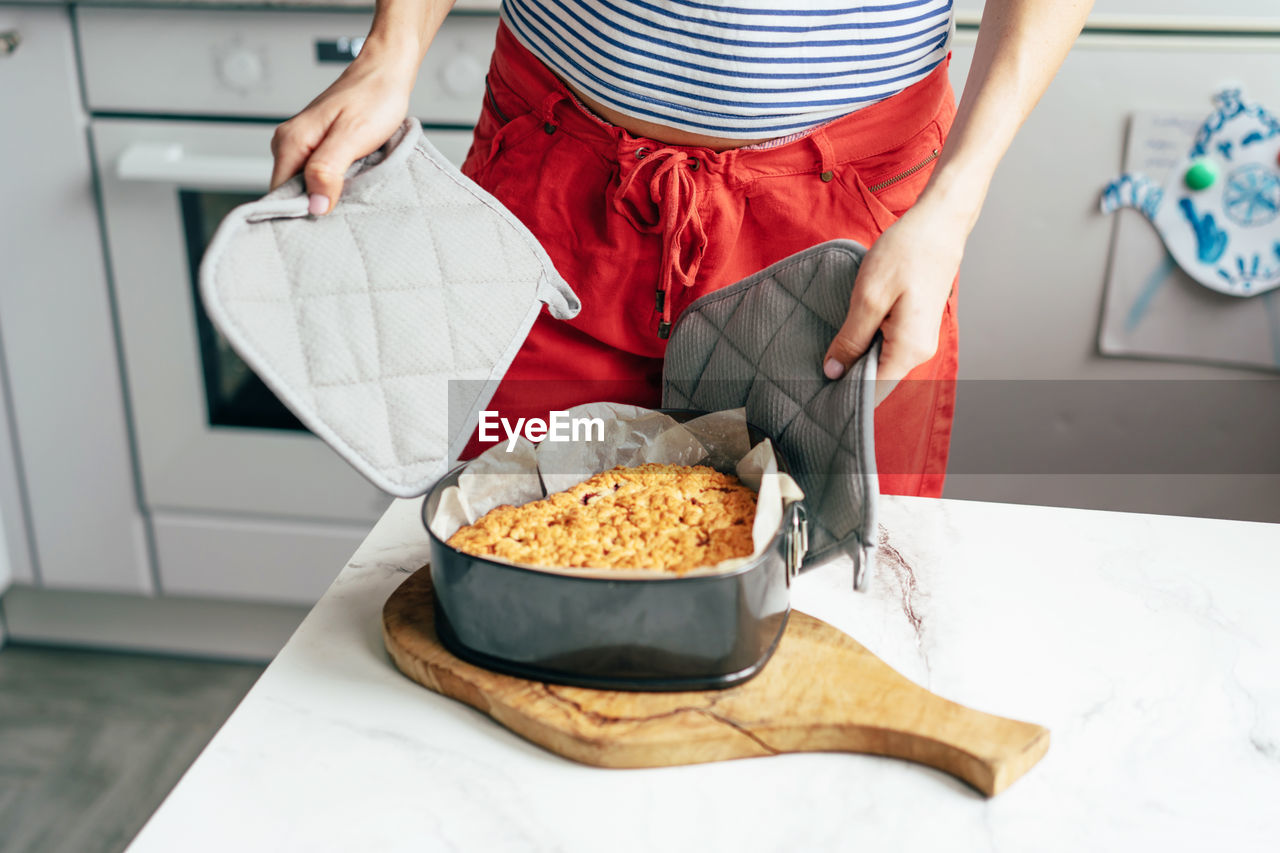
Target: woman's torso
[(735, 73)]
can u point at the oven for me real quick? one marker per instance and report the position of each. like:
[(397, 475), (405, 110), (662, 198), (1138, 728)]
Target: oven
[(242, 501)]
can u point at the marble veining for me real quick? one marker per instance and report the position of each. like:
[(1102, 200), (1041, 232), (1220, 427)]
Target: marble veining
[(1146, 644), (891, 564)]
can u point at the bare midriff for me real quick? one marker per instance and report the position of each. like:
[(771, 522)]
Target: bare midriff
[(638, 127)]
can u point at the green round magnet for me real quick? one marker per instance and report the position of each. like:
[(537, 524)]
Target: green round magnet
[(1201, 174)]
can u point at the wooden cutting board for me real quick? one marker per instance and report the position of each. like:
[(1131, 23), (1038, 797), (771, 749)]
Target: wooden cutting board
[(821, 691)]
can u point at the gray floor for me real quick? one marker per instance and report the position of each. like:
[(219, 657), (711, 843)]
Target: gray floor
[(91, 742)]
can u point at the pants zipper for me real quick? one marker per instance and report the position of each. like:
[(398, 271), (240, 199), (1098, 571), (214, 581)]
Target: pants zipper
[(908, 173)]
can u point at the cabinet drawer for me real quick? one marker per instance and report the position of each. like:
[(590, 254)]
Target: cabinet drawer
[(242, 559)]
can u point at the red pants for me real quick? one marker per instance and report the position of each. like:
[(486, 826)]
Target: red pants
[(640, 229)]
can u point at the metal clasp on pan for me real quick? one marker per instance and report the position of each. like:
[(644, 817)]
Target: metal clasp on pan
[(797, 540)]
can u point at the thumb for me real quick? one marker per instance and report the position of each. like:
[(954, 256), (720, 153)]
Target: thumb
[(327, 166), (853, 339)]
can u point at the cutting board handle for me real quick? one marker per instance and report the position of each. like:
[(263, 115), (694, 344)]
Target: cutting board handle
[(833, 694)]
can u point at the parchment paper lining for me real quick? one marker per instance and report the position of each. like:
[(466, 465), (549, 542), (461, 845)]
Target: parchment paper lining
[(633, 436)]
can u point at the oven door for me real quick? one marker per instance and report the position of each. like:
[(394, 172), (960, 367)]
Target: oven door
[(210, 436)]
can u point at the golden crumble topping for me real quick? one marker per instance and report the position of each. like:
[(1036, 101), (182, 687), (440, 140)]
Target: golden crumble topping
[(668, 517)]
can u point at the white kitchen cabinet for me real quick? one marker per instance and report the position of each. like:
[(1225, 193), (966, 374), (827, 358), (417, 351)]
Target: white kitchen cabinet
[(1033, 278), (6, 568), (69, 423), (6, 573), (15, 547)]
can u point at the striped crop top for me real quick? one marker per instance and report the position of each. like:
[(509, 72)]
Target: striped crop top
[(739, 69)]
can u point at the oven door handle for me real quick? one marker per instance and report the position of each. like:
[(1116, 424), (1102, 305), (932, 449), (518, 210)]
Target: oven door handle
[(170, 163)]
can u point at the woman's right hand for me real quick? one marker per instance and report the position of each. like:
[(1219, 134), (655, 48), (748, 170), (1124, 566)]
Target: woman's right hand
[(349, 120)]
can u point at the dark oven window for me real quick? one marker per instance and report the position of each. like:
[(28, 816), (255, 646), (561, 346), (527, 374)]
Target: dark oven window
[(234, 396)]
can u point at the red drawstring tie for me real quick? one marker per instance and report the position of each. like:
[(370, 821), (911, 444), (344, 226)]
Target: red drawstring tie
[(670, 208)]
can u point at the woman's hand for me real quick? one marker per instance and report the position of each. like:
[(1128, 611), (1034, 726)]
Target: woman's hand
[(902, 289), (350, 119), (363, 107)]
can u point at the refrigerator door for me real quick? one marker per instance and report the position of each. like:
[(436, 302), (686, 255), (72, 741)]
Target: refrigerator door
[(1244, 15), (1032, 284)]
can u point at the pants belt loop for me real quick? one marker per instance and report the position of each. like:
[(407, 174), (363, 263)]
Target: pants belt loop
[(828, 155)]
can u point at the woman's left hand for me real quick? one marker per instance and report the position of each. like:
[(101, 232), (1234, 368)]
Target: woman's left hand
[(902, 289)]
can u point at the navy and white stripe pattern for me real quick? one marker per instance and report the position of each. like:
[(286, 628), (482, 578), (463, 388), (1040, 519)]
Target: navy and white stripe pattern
[(740, 69)]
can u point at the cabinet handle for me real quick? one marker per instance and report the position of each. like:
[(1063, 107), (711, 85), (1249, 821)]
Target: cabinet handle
[(9, 41)]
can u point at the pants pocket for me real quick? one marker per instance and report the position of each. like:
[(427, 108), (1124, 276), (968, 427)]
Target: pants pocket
[(897, 185), (503, 119)]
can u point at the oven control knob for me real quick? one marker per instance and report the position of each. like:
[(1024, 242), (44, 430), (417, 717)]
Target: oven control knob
[(462, 76), (240, 68)]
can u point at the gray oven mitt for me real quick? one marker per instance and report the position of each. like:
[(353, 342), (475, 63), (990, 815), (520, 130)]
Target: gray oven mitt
[(760, 344), (359, 319)]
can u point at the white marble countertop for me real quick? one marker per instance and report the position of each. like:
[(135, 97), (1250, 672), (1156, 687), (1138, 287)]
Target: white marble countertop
[(1149, 646)]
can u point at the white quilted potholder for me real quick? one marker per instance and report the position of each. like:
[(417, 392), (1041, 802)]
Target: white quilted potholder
[(760, 343), (359, 319)]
